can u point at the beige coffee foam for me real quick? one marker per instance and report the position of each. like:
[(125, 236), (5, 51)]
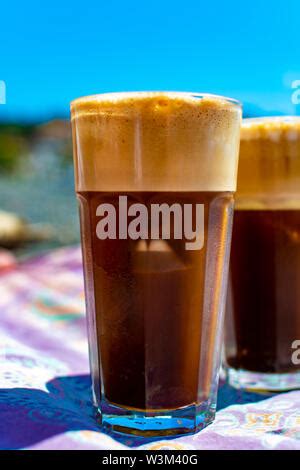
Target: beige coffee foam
[(155, 142), (269, 164)]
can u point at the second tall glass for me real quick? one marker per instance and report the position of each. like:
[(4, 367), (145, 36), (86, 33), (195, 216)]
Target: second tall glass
[(155, 177), (263, 315)]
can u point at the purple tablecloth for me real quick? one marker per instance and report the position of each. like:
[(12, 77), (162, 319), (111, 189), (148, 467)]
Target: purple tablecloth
[(45, 400)]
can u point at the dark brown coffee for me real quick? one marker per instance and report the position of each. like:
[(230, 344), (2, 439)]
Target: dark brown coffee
[(265, 294), (149, 303)]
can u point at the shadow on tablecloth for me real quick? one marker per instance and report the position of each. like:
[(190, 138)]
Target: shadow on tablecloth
[(29, 416)]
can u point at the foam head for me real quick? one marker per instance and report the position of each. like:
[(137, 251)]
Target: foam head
[(269, 164), (160, 141)]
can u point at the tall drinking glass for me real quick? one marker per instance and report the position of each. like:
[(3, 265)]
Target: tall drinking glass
[(155, 175), (263, 313)]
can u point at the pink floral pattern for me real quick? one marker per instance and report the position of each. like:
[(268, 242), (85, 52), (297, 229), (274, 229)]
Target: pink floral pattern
[(45, 400)]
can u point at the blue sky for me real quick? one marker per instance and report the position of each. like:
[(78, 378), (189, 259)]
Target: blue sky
[(50, 54)]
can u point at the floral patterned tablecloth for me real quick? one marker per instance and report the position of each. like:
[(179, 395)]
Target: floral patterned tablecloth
[(45, 400)]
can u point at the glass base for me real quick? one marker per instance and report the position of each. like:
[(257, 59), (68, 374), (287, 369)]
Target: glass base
[(186, 420), (259, 381)]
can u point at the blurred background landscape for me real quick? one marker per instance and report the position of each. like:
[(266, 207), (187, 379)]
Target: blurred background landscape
[(36, 184), (51, 56)]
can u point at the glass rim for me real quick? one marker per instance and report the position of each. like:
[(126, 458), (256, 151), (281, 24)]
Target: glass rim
[(247, 122), (115, 96)]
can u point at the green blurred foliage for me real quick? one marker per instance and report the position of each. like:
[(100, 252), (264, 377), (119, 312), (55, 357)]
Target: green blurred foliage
[(10, 152), (13, 145)]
